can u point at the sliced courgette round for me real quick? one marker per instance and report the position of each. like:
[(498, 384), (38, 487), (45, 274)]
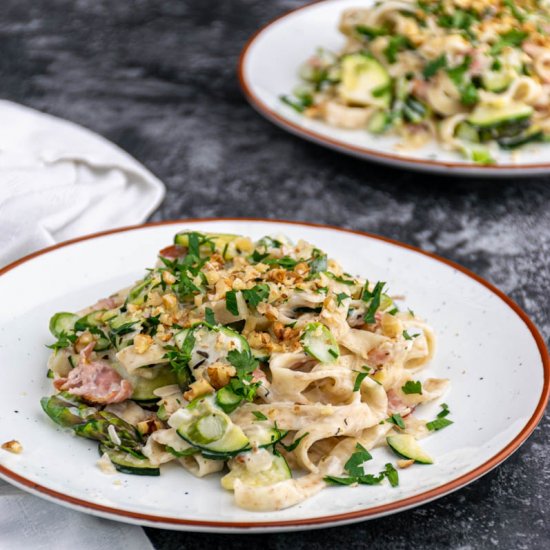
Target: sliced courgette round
[(364, 81), (278, 471), (487, 116), (127, 463), (205, 426), (144, 388), (209, 345), (406, 446), (319, 342), (62, 323), (261, 435)]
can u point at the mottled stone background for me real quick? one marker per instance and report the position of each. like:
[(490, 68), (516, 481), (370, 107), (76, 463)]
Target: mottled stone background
[(158, 78)]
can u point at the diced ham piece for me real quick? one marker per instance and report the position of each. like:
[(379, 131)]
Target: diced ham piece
[(379, 356), (173, 252), (95, 381)]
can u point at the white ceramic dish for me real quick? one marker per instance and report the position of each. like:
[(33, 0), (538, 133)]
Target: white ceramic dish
[(487, 347), (268, 68)]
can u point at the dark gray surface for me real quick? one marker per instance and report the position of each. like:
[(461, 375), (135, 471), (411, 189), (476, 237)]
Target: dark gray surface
[(158, 78)]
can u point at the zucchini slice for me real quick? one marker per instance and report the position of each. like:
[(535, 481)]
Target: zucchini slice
[(319, 342), (144, 387), (263, 436), (406, 446), (127, 463), (278, 471), (92, 319), (205, 426), (364, 81), (227, 399), (226, 244), (210, 345), (379, 122), (487, 116), (62, 322)]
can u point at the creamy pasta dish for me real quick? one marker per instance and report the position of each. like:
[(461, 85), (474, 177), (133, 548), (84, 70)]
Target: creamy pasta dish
[(264, 361), (473, 75)]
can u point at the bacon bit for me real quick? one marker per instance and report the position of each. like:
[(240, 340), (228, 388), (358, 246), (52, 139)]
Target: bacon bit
[(173, 252), (13, 446), (401, 463), (95, 381)]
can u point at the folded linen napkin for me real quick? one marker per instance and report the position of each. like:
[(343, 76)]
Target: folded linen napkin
[(58, 181)]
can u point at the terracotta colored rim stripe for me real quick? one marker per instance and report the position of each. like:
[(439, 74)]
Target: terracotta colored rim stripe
[(331, 519), (342, 146)]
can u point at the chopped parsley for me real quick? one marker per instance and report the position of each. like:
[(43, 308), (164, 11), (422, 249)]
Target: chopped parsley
[(513, 38), (406, 335), (245, 364), (318, 262), (440, 421), (395, 45), (179, 357), (294, 444), (433, 67), (64, 341), (286, 262), (372, 299), (256, 294), (209, 316), (354, 466), (259, 415), (231, 302), (412, 387), (356, 474), (299, 104), (371, 32), (340, 297), (359, 380), (397, 420)]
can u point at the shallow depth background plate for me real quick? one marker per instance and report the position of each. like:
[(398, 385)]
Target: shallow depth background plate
[(269, 68), (496, 361)]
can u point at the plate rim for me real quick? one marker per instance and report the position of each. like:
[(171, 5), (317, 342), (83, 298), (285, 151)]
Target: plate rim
[(326, 520), (462, 168)]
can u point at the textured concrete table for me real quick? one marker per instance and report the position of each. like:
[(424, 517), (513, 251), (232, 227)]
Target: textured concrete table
[(158, 78)]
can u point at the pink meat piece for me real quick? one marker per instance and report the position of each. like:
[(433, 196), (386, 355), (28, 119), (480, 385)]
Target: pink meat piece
[(95, 381), (173, 252), (379, 356)]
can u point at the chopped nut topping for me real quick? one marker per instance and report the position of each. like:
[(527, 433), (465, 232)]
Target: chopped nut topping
[(405, 463), (13, 446), (198, 388), (142, 342)]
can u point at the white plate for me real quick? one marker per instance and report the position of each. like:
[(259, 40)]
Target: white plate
[(268, 68), (494, 356)]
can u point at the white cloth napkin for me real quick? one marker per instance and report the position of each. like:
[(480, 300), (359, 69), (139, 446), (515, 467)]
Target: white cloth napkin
[(58, 181)]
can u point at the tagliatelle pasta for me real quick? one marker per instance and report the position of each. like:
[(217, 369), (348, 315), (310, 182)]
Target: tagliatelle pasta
[(264, 360), (409, 66)]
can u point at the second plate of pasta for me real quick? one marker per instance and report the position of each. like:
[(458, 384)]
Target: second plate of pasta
[(423, 85)]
